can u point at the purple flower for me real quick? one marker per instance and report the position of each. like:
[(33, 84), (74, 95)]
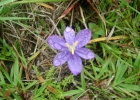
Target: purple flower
[(71, 49)]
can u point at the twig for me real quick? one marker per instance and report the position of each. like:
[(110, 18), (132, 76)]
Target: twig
[(55, 26), (68, 10), (71, 20), (82, 15), (111, 32), (112, 38)]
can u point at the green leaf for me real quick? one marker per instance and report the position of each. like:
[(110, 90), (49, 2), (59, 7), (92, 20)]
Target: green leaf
[(137, 61), (89, 74), (3, 2), (62, 25), (16, 71), (33, 1), (104, 68), (40, 90), (83, 80), (2, 81), (6, 74), (30, 84), (70, 93), (131, 87), (12, 18), (96, 30), (121, 69)]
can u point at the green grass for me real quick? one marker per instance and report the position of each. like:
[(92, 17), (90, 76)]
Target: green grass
[(113, 74)]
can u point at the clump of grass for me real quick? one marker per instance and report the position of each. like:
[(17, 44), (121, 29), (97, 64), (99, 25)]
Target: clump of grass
[(13, 86)]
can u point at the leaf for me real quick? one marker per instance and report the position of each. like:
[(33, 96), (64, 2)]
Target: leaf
[(2, 81), (96, 30), (40, 90), (16, 73), (104, 68), (89, 74), (121, 69), (35, 1), (83, 80), (12, 18), (4, 2), (30, 84), (70, 93), (52, 89), (6, 74), (137, 61), (131, 86)]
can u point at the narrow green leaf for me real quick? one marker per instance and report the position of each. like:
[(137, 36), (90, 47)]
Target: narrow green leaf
[(104, 68), (16, 71), (94, 69), (30, 84), (33, 1), (3, 2), (83, 80), (12, 18), (2, 81), (62, 25), (40, 90), (121, 69), (6, 75), (70, 93), (96, 30), (131, 86), (89, 74), (137, 61)]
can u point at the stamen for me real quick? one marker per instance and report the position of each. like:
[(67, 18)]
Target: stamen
[(68, 45), (72, 48), (75, 44)]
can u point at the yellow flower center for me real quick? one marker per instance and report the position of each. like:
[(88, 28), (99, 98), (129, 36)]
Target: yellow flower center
[(72, 48)]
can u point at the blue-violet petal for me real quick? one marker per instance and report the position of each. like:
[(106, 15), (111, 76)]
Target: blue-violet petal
[(83, 37), (57, 42), (75, 64), (69, 35), (85, 53), (61, 58)]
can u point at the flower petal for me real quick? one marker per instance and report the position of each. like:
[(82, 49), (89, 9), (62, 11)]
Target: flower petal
[(57, 42), (85, 53), (83, 37), (69, 35), (61, 58), (75, 64)]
